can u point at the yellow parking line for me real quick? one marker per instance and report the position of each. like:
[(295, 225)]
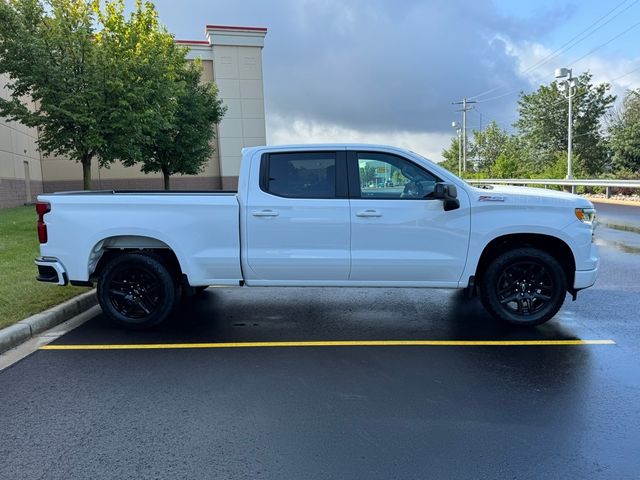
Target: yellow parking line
[(331, 343)]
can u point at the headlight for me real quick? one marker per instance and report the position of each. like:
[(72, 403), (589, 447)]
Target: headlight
[(586, 215)]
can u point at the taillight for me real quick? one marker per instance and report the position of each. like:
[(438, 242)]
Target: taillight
[(42, 208)]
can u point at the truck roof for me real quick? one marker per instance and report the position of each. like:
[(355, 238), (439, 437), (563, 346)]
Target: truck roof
[(327, 146)]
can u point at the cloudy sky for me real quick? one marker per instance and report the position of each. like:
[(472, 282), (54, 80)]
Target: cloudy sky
[(387, 71)]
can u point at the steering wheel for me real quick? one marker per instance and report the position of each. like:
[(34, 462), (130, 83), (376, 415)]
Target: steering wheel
[(412, 189)]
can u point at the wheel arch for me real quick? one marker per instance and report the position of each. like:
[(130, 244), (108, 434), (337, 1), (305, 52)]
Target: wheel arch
[(104, 250), (554, 246)]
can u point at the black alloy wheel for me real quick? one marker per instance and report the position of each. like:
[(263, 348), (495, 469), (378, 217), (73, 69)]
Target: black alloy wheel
[(136, 290), (524, 286)]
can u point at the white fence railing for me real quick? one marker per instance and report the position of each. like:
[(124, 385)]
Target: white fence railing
[(608, 184)]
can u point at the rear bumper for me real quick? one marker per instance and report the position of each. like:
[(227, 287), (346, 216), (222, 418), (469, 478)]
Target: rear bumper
[(51, 270)]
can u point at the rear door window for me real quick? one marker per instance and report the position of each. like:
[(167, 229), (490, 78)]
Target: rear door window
[(300, 175)]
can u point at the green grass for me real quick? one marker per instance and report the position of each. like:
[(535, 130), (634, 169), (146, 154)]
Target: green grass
[(20, 294)]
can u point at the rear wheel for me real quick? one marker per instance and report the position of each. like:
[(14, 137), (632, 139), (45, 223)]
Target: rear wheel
[(137, 291), (524, 286)]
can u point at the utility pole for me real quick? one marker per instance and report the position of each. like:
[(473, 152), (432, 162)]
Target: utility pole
[(465, 106)]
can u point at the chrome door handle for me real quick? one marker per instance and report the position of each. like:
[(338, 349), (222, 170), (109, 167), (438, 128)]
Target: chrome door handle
[(369, 213), (265, 213)]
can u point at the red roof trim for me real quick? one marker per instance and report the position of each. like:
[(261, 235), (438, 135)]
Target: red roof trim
[(231, 27), (193, 42)]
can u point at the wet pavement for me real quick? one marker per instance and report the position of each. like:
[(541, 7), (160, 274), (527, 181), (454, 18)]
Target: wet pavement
[(615, 224), (406, 412)]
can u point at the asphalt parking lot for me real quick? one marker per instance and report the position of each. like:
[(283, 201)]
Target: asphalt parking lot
[(349, 411)]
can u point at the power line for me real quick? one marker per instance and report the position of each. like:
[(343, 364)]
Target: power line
[(575, 61), (570, 43), (500, 96), (606, 43), (625, 74), (518, 90), (479, 113), (564, 100), (562, 49)]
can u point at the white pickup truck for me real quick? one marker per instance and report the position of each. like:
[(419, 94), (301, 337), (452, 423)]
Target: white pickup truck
[(322, 215)]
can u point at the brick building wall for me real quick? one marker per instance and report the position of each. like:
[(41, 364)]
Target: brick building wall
[(13, 192)]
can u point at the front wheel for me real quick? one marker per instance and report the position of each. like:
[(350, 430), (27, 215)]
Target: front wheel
[(524, 286), (136, 291)]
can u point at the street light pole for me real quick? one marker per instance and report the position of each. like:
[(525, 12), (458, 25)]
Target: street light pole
[(568, 86), (569, 134), (464, 134), (459, 133)]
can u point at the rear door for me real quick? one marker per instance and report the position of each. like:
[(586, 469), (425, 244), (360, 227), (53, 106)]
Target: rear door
[(298, 220), (399, 232)]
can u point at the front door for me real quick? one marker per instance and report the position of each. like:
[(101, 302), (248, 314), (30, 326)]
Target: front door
[(298, 220), (399, 233)]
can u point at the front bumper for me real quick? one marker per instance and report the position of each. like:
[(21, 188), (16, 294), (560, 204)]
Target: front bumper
[(585, 278), (51, 270)]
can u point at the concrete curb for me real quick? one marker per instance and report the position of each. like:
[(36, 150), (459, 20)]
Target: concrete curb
[(22, 331)]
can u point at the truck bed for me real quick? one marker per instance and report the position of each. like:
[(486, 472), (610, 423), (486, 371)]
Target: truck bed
[(201, 228), (146, 192)]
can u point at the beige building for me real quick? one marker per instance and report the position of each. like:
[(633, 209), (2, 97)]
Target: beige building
[(20, 166), (231, 57)]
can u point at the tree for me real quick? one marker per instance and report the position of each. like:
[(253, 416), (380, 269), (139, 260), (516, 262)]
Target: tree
[(558, 169), (512, 160), (451, 156), (367, 174), (625, 134), (543, 123), (102, 83), (184, 145), (487, 146)]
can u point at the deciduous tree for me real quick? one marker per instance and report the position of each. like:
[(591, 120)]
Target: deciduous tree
[(451, 156), (183, 145), (487, 146), (625, 134), (543, 123), (102, 82)]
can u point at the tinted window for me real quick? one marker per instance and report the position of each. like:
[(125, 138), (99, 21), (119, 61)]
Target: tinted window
[(390, 177), (302, 175)]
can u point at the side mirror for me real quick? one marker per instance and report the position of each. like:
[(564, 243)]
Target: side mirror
[(448, 194)]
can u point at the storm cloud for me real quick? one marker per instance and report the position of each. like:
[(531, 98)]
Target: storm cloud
[(380, 65)]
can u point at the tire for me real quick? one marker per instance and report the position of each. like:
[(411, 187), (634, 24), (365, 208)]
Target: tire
[(524, 286), (137, 291)]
